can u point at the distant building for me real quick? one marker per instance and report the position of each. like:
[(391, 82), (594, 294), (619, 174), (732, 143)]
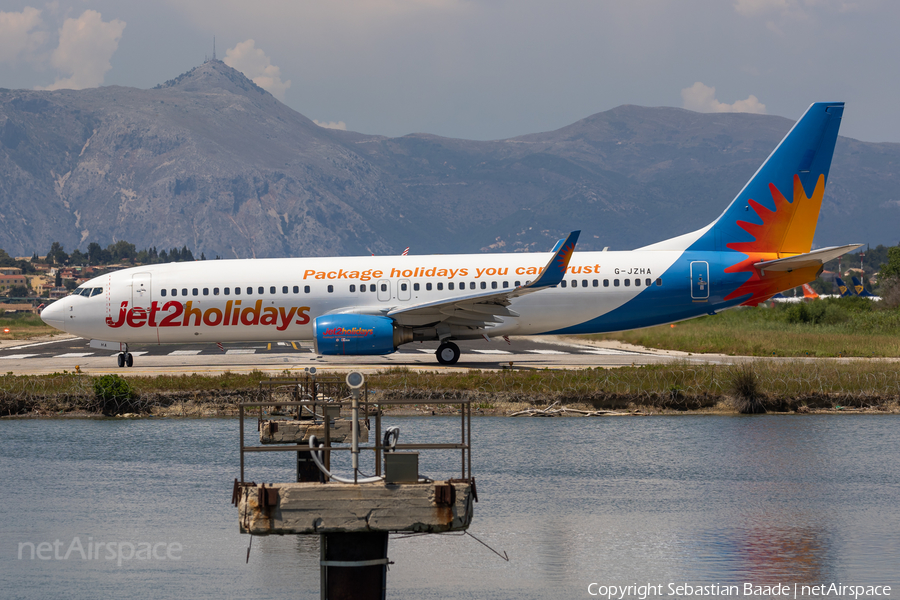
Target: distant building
[(8, 281), (14, 308), (10, 271)]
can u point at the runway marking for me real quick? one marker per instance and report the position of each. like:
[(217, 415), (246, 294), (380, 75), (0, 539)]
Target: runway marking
[(17, 356), (241, 351), (608, 351), (546, 352), (492, 351), (75, 355), (426, 350), (39, 344), (185, 352)]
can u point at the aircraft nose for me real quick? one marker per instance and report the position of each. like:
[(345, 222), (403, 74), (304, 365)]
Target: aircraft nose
[(54, 315)]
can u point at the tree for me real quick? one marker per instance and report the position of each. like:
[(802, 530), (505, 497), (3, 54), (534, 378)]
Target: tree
[(94, 252), (57, 254), (18, 291)]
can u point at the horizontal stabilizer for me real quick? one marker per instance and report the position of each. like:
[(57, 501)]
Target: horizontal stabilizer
[(809, 259)]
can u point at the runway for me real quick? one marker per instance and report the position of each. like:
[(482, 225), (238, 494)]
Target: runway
[(66, 353)]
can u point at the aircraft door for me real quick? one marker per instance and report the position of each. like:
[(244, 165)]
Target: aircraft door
[(403, 290), (700, 281), (384, 290), (141, 291)]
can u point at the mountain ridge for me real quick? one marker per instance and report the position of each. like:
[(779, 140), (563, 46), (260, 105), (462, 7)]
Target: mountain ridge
[(211, 160)]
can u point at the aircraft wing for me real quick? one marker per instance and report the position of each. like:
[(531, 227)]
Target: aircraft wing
[(482, 309), (809, 259)]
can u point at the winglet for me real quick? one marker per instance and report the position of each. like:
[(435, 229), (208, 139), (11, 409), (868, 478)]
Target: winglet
[(555, 270)]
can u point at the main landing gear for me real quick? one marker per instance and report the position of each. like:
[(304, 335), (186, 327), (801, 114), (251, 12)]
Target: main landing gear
[(125, 359), (447, 353)]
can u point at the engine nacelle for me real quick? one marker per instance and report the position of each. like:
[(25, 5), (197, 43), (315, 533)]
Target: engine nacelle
[(350, 334)]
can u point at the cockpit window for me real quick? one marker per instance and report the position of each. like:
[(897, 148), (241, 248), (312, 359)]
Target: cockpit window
[(96, 291), (87, 292)]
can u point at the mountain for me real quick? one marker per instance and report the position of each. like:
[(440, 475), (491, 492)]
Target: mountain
[(214, 162)]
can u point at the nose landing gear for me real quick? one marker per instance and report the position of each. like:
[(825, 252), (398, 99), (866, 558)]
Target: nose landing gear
[(125, 359)]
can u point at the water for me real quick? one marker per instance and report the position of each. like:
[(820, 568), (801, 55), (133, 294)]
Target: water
[(612, 501)]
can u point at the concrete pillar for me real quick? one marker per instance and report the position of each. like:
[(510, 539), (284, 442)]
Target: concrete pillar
[(353, 566)]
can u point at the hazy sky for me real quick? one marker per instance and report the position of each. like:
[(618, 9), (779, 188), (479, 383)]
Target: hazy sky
[(480, 69)]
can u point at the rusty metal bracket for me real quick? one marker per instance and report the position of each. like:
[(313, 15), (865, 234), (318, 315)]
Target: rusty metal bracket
[(445, 494), (268, 497)]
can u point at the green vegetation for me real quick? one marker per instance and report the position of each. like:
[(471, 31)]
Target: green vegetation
[(763, 386), (22, 326), (828, 327)]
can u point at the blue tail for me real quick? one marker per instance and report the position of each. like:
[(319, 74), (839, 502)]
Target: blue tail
[(860, 289), (843, 288), (778, 208)]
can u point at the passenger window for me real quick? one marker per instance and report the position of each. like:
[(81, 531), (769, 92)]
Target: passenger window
[(659, 281), (428, 287), (183, 292), (415, 287), (647, 282), (305, 289), (518, 283), (194, 291), (163, 292), (449, 286), (352, 288), (215, 291), (505, 284), (584, 283), (403, 287), (237, 291), (562, 283), (383, 287), (627, 283), (206, 291), (227, 291), (261, 290), (484, 285), (615, 283), (272, 289), (330, 289), (493, 285), (296, 289), (596, 283), (284, 289), (441, 286), (362, 287), (606, 283), (637, 282)]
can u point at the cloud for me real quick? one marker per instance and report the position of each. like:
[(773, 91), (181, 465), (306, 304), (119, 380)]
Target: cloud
[(702, 98), (16, 35), (331, 124), (253, 62), (86, 45)]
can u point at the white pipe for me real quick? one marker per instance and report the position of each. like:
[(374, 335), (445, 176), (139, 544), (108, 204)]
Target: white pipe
[(354, 442), (315, 457)]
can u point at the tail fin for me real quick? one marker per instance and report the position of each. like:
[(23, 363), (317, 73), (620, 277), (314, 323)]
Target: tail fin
[(778, 208), (843, 288), (809, 293), (859, 288)]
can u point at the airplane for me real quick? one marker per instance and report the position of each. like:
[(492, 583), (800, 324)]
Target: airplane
[(809, 295), (366, 305)]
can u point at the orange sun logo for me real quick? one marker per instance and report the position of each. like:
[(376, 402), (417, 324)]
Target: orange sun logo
[(786, 231)]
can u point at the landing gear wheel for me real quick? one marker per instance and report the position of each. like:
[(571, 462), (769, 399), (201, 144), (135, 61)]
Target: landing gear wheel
[(121, 359), (447, 353), (129, 360)]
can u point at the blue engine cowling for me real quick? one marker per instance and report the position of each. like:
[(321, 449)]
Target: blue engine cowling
[(355, 335)]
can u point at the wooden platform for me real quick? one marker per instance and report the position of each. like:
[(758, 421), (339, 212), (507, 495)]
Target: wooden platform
[(312, 508)]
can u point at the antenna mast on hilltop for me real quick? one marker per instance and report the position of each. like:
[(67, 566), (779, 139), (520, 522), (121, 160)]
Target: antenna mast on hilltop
[(214, 47)]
